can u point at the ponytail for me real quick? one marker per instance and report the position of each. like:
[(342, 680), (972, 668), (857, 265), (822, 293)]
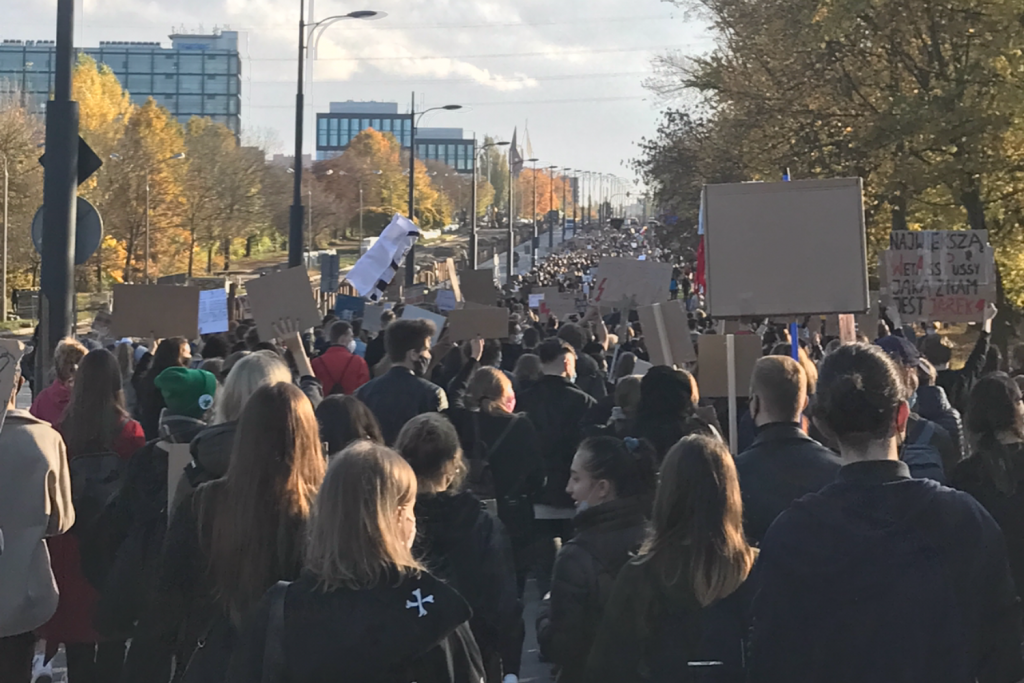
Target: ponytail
[(629, 464)]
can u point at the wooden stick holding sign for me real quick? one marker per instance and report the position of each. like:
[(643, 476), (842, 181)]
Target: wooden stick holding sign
[(730, 362), (847, 328)]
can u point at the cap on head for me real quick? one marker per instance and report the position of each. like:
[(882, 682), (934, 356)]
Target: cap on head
[(187, 392), (900, 350)]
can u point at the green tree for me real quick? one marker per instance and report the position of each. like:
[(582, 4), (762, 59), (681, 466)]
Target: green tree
[(20, 133)]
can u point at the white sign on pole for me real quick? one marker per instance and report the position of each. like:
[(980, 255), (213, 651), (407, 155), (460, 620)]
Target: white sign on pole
[(417, 313), (213, 311)]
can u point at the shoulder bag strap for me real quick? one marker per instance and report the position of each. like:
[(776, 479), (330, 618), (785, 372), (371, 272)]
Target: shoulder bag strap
[(273, 649)]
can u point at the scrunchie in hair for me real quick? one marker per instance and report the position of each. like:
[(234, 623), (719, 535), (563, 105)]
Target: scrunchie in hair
[(631, 444)]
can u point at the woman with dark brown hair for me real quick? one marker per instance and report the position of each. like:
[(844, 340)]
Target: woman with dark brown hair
[(689, 573), (95, 424), (170, 353), (232, 539)]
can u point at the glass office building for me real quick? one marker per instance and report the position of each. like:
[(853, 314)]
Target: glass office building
[(345, 120), (199, 75)]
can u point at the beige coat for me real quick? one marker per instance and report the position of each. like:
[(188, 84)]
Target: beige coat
[(35, 502)]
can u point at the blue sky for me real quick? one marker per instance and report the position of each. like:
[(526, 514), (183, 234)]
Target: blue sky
[(571, 69)]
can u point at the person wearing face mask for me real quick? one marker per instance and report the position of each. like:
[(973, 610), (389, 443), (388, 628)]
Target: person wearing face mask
[(402, 393), (612, 483), (462, 544), (364, 609), (339, 369), (557, 407), (502, 449)]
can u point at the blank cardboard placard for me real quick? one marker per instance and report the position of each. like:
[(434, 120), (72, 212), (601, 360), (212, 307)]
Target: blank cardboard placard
[(285, 294), (642, 282), (371, 316), (667, 333), (417, 313), (11, 351), (788, 248), (712, 371), (179, 455), (470, 323), (155, 311), (560, 304), (478, 286), (641, 367)]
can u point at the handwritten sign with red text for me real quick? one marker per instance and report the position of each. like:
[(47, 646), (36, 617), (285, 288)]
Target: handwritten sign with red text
[(939, 275)]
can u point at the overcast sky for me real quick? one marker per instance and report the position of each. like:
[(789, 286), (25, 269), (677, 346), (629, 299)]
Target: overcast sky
[(571, 70)]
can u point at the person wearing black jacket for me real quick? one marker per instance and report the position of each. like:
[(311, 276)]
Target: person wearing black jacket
[(994, 474), (173, 352), (402, 393), (612, 483), (364, 610), (880, 577), (590, 378), (668, 409), (375, 349), (459, 542), (933, 404), (506, 446), (783, 464), (138, 514), (958, 383)]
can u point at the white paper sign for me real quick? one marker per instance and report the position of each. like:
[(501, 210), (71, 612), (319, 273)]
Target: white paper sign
[(535, 300), (445, 300), (213, 311), (641, 367), (417, 313)]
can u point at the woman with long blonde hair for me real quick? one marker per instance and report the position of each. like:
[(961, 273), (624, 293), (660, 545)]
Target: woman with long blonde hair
[(691, 571), (365, 610), (233, 538)]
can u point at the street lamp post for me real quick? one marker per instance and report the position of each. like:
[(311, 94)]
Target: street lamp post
[(551, 208), (118, 157), (564, 205), (410, 258), (295, 213), (3, 285), (535, 242), (474, 237)]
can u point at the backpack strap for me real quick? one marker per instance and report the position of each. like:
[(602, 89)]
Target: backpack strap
[(925, 437), (501, 439), (273, 649)]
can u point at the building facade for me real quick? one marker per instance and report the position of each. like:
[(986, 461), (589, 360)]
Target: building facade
[(199, 75), (345, 120)]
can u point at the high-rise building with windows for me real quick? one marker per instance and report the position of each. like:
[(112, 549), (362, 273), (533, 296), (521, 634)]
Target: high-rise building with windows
[(345, 120), (199, 75)]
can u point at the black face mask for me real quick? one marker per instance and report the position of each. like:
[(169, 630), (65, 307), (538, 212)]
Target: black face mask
[(419, 366)]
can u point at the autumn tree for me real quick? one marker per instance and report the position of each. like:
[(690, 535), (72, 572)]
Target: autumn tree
[(20, 133)]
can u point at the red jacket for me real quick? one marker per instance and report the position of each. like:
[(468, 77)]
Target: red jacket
[(51, 403), (337, 366)]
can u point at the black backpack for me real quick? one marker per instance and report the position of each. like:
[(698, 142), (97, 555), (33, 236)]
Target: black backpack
[(480, 479), (96, 479)]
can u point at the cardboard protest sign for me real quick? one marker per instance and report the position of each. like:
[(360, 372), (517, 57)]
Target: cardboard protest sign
[(417, 313), (470, 323), (101, 323), (642, 282), (787, 248), (285, 294), (478, 286), (213, 311), (179, 455), (940, 275), (560, 305), (11, 351), (349, 307), (712, 371), (155, 311), (371, 316), (446, 300), (641, 367), (867, 323), (667, 333), (453, 277), (375, 269)]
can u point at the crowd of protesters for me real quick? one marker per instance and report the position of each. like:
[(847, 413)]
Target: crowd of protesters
[(357, 507)]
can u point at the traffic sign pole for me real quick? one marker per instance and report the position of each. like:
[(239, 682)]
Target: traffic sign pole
[(60, 186)]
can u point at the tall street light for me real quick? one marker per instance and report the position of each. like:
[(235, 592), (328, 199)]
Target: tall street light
[(474, 237), (295, 213), (565, 212), (551, 208), (3, 285), (410, 258), (535, 242), (576, 201), (149, 170), (361, 177)]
